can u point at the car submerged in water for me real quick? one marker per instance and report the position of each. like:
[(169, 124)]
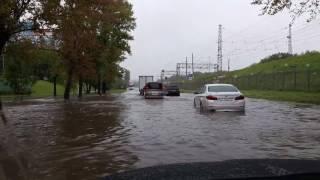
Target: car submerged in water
[(219, 97), (153, 90), (172, 90)]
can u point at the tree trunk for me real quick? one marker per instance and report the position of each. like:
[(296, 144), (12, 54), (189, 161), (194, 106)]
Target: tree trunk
[(80, 86), (104, 87), (68, 85), (99, 85), (4, 38), (55, 86), (88, 88)]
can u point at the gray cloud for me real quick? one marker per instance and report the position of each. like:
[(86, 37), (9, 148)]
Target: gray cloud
[(169, 30)]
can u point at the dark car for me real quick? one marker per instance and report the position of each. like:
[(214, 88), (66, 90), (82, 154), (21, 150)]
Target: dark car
[(173, 90), (153, 90)]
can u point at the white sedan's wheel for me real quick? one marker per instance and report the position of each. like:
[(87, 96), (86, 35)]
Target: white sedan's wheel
[(201, 107)]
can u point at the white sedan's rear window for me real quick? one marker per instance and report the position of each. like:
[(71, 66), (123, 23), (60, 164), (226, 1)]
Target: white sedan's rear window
[(222, 89)]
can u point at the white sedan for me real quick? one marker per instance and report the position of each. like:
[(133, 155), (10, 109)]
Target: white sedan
[(223, 97)]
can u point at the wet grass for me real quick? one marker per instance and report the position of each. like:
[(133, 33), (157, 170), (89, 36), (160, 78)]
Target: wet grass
[(40, 89), (117, 91), (45, 89), (293, 96)]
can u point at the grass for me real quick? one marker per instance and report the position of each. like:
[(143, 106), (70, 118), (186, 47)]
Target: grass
[(39, 89), (293, 96), (45, 89), (309, 61), (117, 91)]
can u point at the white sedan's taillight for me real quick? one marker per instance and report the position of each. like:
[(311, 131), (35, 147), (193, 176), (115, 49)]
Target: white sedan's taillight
[(239, 98), (211, 97)]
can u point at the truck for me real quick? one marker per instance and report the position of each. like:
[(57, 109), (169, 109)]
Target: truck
[(143, 80)]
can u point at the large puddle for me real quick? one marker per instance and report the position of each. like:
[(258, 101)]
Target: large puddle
[(98, 136)]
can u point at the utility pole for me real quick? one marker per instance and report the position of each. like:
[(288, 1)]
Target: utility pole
[(228, 65), (186, 67), (192, 64), (219, 56), (290, 49), (177, 69)]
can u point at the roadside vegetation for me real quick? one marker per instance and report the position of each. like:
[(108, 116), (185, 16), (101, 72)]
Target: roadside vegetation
[(50, 46), (279, 77), (302, 97)]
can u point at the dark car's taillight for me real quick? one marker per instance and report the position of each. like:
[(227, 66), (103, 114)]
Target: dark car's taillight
[(239, 98), (211, 97)]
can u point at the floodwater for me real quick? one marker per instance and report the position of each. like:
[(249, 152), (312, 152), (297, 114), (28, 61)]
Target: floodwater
[(98, 136)]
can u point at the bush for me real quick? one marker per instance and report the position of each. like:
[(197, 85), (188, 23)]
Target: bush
[(276, 57), (19, 67)]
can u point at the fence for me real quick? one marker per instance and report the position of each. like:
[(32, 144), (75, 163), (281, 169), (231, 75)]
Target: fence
[(307, 80), (288, 80)]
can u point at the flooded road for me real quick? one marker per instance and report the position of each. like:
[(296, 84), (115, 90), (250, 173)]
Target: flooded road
[(98, 136)]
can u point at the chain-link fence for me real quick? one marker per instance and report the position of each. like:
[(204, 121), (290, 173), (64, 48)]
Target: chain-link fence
[(306, 80), (288, 80)]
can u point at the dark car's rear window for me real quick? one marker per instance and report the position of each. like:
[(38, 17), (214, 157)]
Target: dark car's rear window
[(154, 85), (222, 89)]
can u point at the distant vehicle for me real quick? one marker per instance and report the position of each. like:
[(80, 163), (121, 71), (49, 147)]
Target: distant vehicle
[(143, 80), (172, 90), (224, 97), (153, 90)]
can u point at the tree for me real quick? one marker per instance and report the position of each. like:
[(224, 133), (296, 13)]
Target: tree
[(297, 8), (87, 31), (17, 16), (48, 66), (19, 73), (275, 57), (76, 31), (115, 37)]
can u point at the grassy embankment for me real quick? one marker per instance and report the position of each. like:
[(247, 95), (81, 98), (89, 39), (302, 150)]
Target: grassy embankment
[(39, 89), (45, 89), (302, 97), (273, 80)]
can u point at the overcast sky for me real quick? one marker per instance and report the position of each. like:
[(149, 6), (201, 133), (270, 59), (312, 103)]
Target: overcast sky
[(169, 30)]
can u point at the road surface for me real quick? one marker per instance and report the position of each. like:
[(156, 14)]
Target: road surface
[(98, 136)]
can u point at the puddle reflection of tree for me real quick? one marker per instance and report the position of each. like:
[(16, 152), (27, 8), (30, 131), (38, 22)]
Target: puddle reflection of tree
[(93, 141)]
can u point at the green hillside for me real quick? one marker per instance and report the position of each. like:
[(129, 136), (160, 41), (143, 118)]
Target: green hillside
[(294, 73), (309, 61)]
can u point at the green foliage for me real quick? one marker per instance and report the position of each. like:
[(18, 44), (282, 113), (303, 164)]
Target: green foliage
[(19, 71), (18, 16), (303, 97), (4, 88), (309, 60), (296, 8), (275, 57), (273, 74)]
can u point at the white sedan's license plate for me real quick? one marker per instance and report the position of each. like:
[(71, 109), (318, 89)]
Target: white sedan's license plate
[(154, 93), (225, 99)]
